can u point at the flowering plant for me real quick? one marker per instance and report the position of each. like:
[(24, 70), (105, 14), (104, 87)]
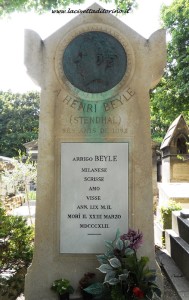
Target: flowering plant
[(62, 286), (127, 277)]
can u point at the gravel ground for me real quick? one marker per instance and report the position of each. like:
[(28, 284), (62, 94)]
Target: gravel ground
[(169, 291)]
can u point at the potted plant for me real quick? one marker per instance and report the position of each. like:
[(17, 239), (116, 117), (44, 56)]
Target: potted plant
[(127, 277), (63, 288)]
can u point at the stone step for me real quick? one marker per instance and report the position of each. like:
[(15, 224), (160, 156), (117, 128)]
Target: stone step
[(180, 224), (178, 249), (176, 277)]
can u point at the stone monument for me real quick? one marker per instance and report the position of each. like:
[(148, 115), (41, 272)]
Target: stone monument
[(175, 142), (94, 163)]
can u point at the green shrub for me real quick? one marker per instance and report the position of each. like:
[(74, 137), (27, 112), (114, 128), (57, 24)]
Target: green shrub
[(166, 213), (32, 195), (16, 251)]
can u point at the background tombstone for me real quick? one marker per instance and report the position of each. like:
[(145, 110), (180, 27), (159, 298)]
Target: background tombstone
[(175, 143), (84, 117), (175, 165)]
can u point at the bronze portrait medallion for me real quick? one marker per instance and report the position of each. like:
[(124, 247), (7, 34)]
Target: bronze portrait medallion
[(94, 62)]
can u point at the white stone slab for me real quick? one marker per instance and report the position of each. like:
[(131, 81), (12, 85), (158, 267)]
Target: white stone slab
[(94, 195), (175, 190)]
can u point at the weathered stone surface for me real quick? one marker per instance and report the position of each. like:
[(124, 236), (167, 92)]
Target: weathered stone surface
[(175, 143), (178, 249), (181, 225), (68, 114)]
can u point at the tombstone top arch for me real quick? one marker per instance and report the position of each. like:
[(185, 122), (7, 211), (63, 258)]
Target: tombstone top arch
[(142, 55)]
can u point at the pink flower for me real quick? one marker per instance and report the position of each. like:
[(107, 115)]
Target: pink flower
[(135, 238)]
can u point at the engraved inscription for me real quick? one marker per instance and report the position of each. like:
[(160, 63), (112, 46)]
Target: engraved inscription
[(94, 62), (108, 105), (98, 201)]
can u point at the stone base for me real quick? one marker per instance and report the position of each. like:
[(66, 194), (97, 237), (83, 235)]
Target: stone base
[(75, 297), (180, 223), (178, 249)]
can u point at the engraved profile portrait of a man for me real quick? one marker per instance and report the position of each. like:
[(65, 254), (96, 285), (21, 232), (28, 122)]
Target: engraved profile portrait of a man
[(94, 62)]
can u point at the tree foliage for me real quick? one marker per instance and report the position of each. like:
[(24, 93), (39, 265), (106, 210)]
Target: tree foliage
[(16, 251), (19, 121), (171, 97), (9, 6), (22, 173)]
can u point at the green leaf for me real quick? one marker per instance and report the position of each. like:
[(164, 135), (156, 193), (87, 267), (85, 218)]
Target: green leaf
[(19, 121), (118, 234), (115, 262), (124, 277), (39, 7), (105, 268), (144, 260), (116, 293), (17, 244), (157, 291), (129, 251), (174, 84), (109, 253), (150, 275), (95, 288), (130, 261), (109, 276), (102, 259), (109, 244), (113, 281), (119, 244)]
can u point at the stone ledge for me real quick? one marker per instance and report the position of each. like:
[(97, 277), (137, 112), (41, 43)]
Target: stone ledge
[(178, 249)]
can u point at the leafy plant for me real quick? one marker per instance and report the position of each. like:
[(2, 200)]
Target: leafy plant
[(126, 276), (32, 195), (7, 7), (20, 176), (19, 118), (174, 86), (16, 251), (62, 286), (166, 213)]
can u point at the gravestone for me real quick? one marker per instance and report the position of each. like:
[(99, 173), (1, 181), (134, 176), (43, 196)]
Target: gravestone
[(94, 163), (175, 142)]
